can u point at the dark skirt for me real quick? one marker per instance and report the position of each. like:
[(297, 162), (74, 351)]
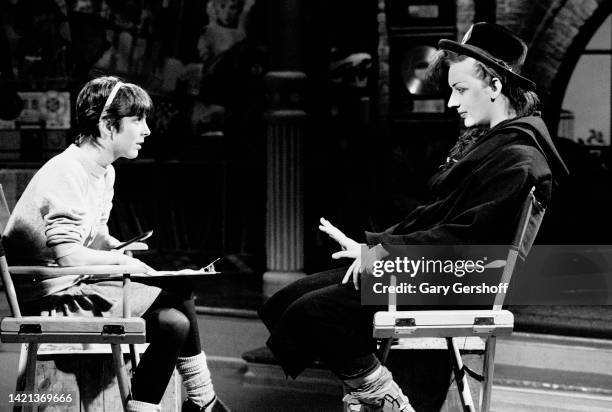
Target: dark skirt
[(94, 298)]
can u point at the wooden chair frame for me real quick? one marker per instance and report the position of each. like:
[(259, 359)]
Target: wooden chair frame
[(487, 324)]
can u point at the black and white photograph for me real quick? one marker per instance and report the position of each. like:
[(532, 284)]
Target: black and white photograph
[(306, 205)]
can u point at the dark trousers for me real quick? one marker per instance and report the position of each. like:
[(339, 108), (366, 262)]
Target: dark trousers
[(319, 318)]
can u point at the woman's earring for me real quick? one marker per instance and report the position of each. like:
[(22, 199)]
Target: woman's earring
[(492, 99)]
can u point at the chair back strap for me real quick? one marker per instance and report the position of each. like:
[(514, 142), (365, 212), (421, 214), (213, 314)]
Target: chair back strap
[(530, 220)]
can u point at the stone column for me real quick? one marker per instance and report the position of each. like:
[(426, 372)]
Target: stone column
[(285, 117), (285, 215)]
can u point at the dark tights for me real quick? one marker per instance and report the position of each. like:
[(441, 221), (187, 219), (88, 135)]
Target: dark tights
[(172, 331)]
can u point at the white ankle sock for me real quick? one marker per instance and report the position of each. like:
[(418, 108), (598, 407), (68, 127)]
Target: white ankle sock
[(196, 379), (138, 406)]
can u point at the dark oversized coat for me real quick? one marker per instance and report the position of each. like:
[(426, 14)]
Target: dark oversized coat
[(478, 199)]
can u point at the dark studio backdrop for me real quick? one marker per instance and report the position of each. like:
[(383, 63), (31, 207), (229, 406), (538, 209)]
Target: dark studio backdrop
[(373, 133)]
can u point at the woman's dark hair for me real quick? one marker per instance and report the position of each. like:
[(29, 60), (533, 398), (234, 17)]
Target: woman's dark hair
[(524, 102), (130, 100)]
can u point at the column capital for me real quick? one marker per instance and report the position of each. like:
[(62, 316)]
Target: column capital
[(285, 91)]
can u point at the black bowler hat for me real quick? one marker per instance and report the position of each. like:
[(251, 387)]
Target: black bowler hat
[(494, 46)]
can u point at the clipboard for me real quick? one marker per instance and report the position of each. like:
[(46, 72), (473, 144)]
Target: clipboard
[(176, 274), (205, 271)]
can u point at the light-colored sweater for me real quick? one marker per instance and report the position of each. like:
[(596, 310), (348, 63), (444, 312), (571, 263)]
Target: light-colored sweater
[(65, 206)]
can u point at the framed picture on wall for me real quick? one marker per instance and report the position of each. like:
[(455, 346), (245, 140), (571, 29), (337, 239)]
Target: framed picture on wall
[(411, 13)]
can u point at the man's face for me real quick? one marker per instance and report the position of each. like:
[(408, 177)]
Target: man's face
[(227, 12), (471, 96)]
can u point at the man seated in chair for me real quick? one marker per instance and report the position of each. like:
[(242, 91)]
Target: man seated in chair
[(476, 198), (62, 218)]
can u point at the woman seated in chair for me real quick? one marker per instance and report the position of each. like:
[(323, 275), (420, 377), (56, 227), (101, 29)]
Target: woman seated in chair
[(62, 218), (476, 198)]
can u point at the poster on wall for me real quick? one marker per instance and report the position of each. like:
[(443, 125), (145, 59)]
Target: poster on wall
[(41, 110)]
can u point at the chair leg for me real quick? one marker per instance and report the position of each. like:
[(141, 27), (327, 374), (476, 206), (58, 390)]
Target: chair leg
[(134, 357), (460, 377), (489, 359), (26, 372), (122, 379), (385, 346)]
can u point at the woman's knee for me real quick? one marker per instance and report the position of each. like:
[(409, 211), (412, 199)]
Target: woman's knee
[(171, 324)]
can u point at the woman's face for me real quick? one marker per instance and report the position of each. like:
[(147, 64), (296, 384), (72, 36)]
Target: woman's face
[(470, 95), (128, 140)]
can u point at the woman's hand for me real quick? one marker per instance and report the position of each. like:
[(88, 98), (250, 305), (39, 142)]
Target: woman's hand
[(350, 249), (104, 241), (128, 260)]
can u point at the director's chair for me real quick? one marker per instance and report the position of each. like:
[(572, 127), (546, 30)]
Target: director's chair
[(397, 326), (31, 331)]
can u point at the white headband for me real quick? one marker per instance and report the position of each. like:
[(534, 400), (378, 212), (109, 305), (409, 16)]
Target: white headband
[(110, 98)]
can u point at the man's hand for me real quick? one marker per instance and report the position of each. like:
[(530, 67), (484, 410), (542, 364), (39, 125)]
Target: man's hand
[(332, 231), (355, 269), (350, 249)]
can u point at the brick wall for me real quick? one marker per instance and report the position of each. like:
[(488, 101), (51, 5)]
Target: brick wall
[(549, 27)]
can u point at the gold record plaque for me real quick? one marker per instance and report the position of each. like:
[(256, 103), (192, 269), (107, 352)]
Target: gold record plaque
[(414, 69), (413, 72)]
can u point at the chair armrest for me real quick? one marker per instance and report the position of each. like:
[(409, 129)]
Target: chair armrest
[(91, 270)]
